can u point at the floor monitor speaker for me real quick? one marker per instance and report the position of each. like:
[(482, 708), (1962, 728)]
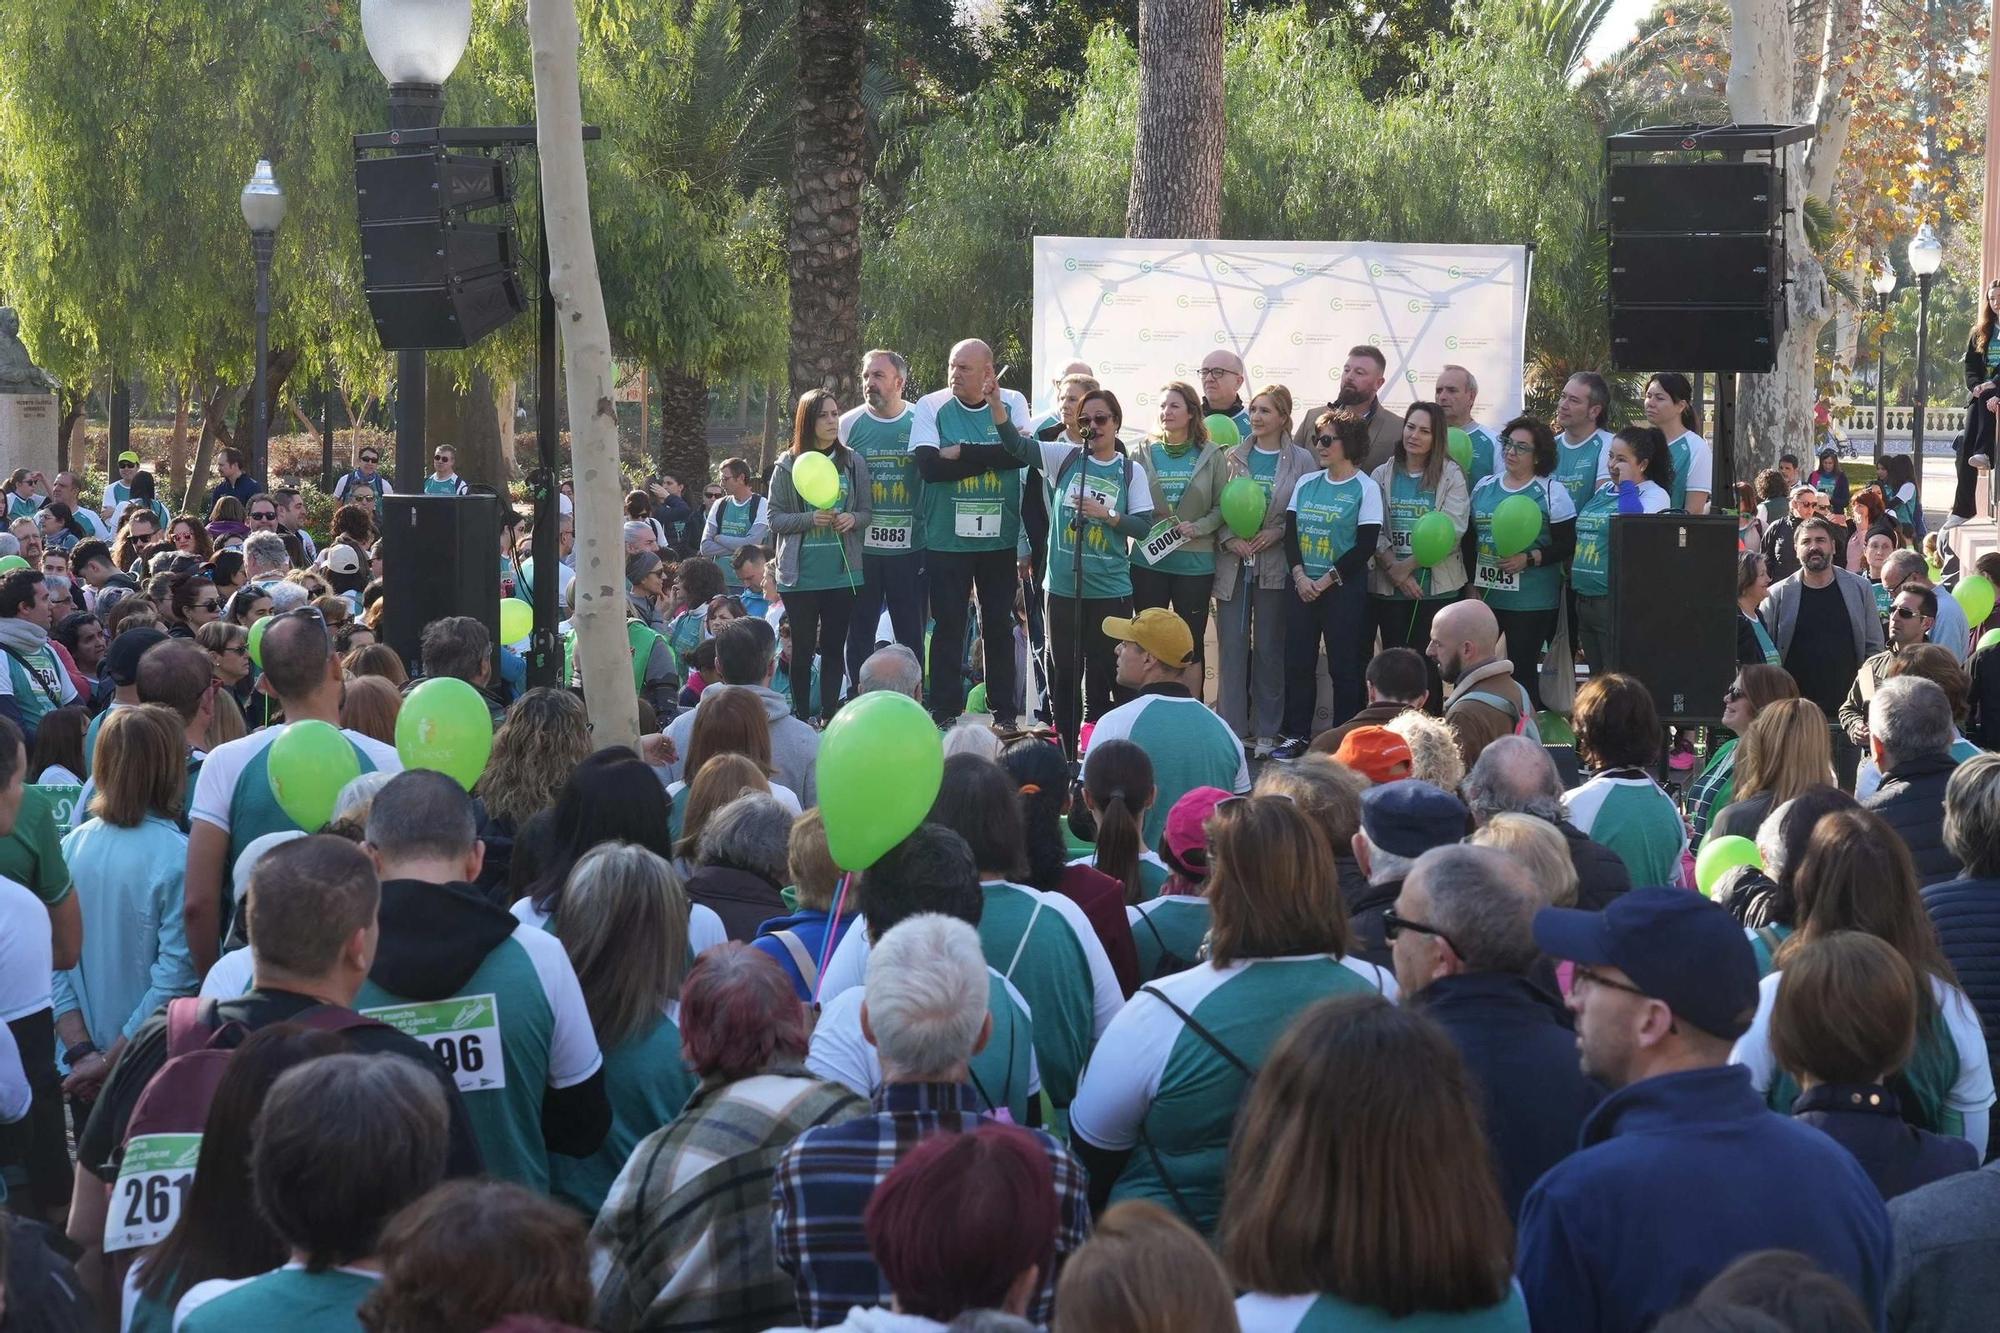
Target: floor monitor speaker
[(1673, 585)]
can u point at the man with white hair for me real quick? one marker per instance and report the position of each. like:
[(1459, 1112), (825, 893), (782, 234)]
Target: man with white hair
[(894, 668), (265, 559), (639, 536), (1456, 392), (1909, 735), (1514, 775), (925, 1011)]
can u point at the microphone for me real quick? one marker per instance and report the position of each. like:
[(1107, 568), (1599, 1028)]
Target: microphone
[(1087, 434)]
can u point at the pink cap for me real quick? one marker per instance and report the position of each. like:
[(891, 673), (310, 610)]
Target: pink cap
[(1186, 822)]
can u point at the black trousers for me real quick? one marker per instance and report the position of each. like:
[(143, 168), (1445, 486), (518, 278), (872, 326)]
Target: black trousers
[(819, 628), (1337, 620), (954, 575), (1070, 619), (1979, 439), (1528, 635), (36, 1147), (1186, 595)]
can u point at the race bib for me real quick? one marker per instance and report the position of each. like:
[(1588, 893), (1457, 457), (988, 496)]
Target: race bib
[(151, 1190), (889, 536), (1490, 575), (1162, 541), (464, 1032), (1399, 541), (976, 518)]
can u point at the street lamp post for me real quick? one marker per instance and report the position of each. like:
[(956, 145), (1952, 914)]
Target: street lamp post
[(1884, 282), (416, 44), (1926, 253), (263, 205)]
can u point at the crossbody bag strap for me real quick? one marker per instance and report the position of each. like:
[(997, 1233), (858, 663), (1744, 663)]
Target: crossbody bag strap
[(1022, 947), (801, 957), (49, 691), (1145, 1140)]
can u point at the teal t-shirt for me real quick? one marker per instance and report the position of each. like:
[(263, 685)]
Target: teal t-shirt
[(1190, 746), (287, 1298), (1324, 1313), (897, 488), (1534, 588), (1627, 812), (39, 684), (1174, 925), (1682, 452), (822, 553), (1485, 453), (17, 507), (1579, 467), (647, 1085), (1173, 469), (1001, 1073), (1329, 515), (1590, 568), (32, 854), (1107, 553), (1409, 500), (1264, 470), (736, 521), (1052, 974), (436, 485), (976, 513)]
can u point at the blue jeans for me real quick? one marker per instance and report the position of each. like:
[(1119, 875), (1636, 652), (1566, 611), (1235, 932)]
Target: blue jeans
[(899, 581)]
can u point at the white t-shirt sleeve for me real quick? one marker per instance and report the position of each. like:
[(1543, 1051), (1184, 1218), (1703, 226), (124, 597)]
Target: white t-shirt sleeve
[(573, 1053), (1123, 1076), (1753, 1048), (230, 977), (1604, 458), (705, 928), (1107, 996), (839, 1053), (923, 423), (848, 968), (1653, 498), (1701, 465), (1562, 509), (1973, 1089), (215, 785), (1371, 502), (1907, 493), (525, 913), (1141, 500), (847, 420)]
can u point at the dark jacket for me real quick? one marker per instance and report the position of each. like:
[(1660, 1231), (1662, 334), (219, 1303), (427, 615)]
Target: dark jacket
[(1364, 917), (1742, 819), (1975, 361), (1781, 557), (1982, 720), (1911, 801), (1866, 1120), (1518, 1045), (1374, 715), (1600, 872), (1675, 1178), (1966, 913), (743, 899), (1947, 1272)]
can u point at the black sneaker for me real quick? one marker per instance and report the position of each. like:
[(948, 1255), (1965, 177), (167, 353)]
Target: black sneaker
[(1288, 750)]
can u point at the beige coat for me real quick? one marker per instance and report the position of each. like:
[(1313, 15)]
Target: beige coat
[(1454, 500), (1293, 463)]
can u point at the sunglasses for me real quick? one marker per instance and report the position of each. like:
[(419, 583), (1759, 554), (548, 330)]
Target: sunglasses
[(1098, 419), (1393, 925), (1732, 694), (1906, 613), (1517, 447), (711, 495), (263, 516), (204, 604), (439, 458), (1323, 441), (370, 458)]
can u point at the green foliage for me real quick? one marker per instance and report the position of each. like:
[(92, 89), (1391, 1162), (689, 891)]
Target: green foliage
[(1486, 145)]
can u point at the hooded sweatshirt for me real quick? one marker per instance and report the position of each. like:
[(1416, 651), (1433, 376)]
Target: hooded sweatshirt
[(500, 1004), (794, 745)]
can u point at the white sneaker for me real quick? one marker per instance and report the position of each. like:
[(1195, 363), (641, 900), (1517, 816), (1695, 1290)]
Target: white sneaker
[(1950, 521), (1979, 461), (1263, 747)]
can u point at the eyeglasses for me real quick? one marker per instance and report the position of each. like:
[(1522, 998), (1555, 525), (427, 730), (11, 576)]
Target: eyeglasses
[(439, 458), (711, 495), (370, 458), (1322, 441), (1210, 372), (1097, 419), (1732, 694), (1580, 976), (1517, 446), (1393, 925), (1906, 613)]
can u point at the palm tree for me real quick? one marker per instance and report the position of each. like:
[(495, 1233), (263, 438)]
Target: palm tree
[(824, 242)]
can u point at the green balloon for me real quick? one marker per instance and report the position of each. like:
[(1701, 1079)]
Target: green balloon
[(1975, 596), (445, 726), (1719, 856), (1243, 507), (816, 480), (308, 765), (1431, 540), (1459, 446), (1222, 430), (1989, 638), (256, 644), (517, 620), (975, 698), (879, 767), (10, 563), (1517, 521)]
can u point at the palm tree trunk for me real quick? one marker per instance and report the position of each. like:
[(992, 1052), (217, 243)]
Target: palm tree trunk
[(1177, 153), (827, 174), (683, 426)]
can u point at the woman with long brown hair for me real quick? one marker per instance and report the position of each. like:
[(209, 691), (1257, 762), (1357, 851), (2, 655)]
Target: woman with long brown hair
[(1785, 750), (819, 552), (1147, 1126), (732, 723), (1185, 473), (1361, 1191), (1754, 689), (1856, 874), (1419, 479)]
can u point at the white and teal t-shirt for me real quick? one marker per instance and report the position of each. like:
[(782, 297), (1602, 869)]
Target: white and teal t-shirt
[(1173, 469), (1107, 553), (1172, 925), (1264, 469), (1590, 568), (981, 512), (1330, 513), (897, 488), (1536, 587), (1189, 745), (1485, 453), (234, 790), (289, 1298), (38, 683), (1157, 1089), (518, 1026), (1322, 1313), (734, 519), (1694, 467), (1005, 1076), (823, 550), (1582, 464), (1627, 812), (436, 485), (1408, 500), (647, 1084)]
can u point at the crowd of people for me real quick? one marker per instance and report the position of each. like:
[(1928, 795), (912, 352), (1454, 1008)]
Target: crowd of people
[(1372, 974)]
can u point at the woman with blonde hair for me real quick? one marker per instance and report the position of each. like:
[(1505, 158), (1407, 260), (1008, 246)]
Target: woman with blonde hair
[(1785, 750), (1755, 688), (1537, 845), (1434, 754), (1148, 1126), (1185, 475), (545, 736), (624, 924), (1143, 1271)]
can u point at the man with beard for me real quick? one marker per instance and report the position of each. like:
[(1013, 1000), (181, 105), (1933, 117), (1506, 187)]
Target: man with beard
[(1823, 621), (1361, 379), (892, 560), (1485, 702)]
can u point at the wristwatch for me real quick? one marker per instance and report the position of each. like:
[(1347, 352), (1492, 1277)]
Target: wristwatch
[(73, 1055)]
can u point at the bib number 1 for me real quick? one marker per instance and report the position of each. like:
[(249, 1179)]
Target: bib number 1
[(464, 1033), (976, 518)]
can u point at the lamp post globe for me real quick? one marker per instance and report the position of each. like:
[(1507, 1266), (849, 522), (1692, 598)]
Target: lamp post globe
[(1926, 254)]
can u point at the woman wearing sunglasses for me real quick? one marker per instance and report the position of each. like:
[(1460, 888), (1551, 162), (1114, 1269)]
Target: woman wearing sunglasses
[(195, 601), (1251, 582), (1755, 688)]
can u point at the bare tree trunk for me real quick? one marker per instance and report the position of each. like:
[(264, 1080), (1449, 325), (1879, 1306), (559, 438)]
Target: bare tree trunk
[(164, 483), (602, 651), (214, 427), (683, 426), (506, 402), (827, 174), (1177, 153), (468, 419)]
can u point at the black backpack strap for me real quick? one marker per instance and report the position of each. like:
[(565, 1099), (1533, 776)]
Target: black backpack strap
[(1202, 1032)]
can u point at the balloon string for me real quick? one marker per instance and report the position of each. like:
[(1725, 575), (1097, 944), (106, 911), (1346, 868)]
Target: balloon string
[(832, 934)]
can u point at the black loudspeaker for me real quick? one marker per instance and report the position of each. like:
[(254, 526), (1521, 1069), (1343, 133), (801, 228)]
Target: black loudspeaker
[(440, 557), (1694, 270), (1694, 196), (1673, 588), (423, 252), (423, 185), (432, 278), (1716, 338)]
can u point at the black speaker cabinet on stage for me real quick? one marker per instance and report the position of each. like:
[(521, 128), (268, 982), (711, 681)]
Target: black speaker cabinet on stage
[(440, 557), (433, 278), (1673, 588)]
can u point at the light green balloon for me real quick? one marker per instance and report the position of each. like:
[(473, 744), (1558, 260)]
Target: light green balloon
[(1431, 540), (517, 620), (1719, 856), (10, 563), (816, 480), (445, 726), (308, 765), (1222, 430), (256, 645), (1243, 507), (1975, 596), (1989, 638), (1459, 445), (880, 764), (1517, 521)]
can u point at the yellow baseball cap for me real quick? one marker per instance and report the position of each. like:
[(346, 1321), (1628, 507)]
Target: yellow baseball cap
[(1157, 630), (128, 457)]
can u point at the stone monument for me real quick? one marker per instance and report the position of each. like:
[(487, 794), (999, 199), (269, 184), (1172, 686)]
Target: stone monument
[(28, 411)]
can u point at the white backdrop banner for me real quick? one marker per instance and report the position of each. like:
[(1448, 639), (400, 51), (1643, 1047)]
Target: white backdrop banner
[(1145, 312)]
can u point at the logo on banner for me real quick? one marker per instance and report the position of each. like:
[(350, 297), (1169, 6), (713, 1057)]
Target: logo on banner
[(1145, 266), (1455, 272), (1069, 262), (1334, 303), (1375, 270), (1451, 342)]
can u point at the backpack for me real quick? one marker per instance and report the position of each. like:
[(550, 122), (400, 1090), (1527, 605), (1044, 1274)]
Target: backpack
[(1524, 720), (163, 1133), (715, 512)]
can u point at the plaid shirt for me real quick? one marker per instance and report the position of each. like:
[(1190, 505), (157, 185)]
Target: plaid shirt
[(684, 1238), (825, 1179)]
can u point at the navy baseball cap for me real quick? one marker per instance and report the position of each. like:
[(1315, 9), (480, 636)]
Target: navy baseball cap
[(1677, 946), (121, 659), (1409, 817)]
